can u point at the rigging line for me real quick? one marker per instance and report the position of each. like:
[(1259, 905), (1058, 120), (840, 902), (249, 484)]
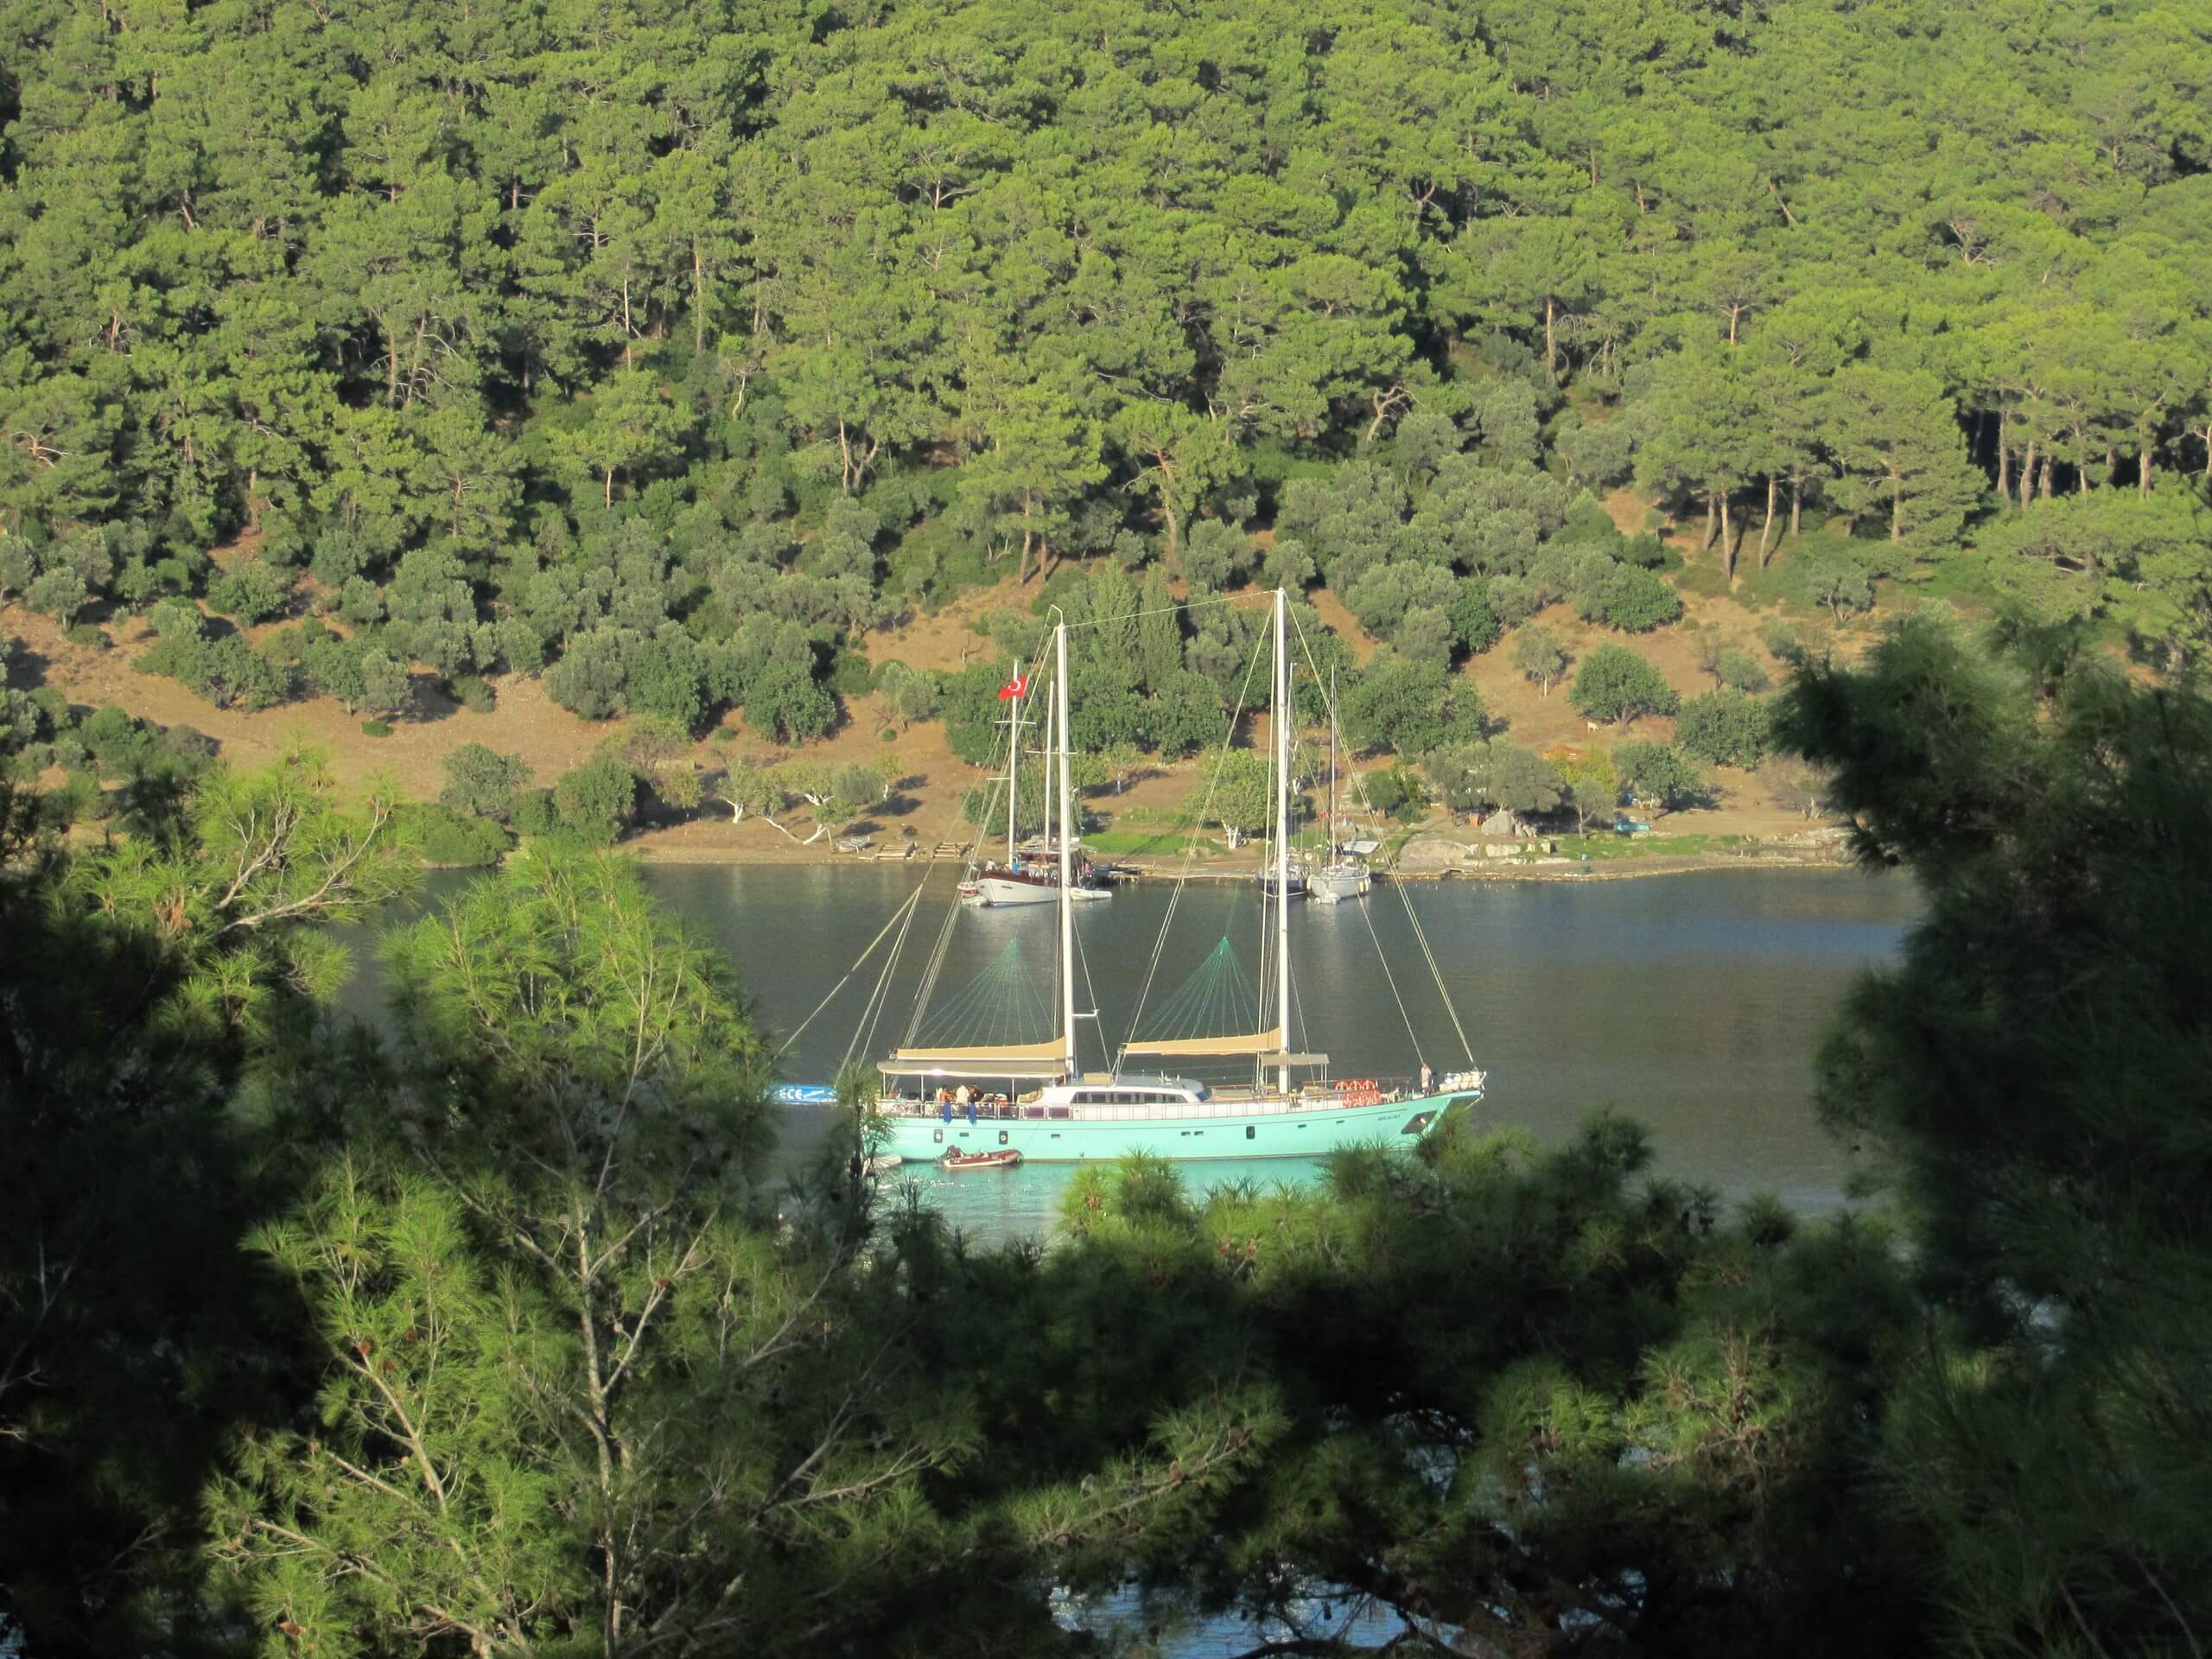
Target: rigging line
[(1329, 700), (907, 905), (1391, 980), (936, 965), (938, 950), (1437, 974), (999, 1005), (1169, 610), (1084, 956), (1190, 856), (944, 932), (864, 1031), (944, 943), (880, 1000)]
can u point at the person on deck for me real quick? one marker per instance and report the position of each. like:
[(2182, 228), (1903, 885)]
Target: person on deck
[(971, 1111), (944, 1104), (1426, 1076)]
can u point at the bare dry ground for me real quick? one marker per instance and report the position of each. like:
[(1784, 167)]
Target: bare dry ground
[(551, 740)]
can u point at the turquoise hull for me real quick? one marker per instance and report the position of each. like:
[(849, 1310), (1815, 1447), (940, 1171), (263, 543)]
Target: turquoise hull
[(1218, 1133)]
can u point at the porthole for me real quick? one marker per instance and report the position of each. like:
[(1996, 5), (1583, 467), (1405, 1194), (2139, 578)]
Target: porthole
[(937, 1135), (1001, 1137), (1251, 1132)]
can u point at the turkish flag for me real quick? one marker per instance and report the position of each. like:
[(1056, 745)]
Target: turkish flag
[(1012, 689)]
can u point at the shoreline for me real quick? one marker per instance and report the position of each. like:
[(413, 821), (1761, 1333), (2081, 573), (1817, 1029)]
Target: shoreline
[(1630, 866)]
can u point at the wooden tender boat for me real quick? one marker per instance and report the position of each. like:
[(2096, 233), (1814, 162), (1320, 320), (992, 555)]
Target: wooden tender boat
[(997, 1158)]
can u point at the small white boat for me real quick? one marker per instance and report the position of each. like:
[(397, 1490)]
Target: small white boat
[(1031, 871), (1344, 879), (1345, 875)]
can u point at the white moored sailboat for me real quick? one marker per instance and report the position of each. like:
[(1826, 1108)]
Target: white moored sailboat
[(1018, 880), (1342, 877)]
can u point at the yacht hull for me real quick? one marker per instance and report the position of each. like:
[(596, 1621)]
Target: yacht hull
[(1333, 884), (996, 892), (1215, 1131)]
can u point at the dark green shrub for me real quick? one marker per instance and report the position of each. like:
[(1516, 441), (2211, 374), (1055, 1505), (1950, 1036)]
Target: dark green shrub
[(535, 814), (1630, 599), (450, 839), (1727, 728), (473, 692)]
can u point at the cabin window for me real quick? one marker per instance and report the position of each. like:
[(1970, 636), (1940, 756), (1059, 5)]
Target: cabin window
[(1251, 1133)]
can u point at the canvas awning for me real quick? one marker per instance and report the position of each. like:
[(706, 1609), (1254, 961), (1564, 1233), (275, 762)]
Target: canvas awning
[(1191, 1048), (1044, 1059)]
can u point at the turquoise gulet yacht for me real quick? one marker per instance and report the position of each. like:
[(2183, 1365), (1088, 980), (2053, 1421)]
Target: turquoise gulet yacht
[(1033, 1099)]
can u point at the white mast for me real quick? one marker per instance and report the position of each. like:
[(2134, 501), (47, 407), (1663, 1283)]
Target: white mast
[(1282, 832), (1332, 763), (1013, 760), (1052, 708), (1067, 853)]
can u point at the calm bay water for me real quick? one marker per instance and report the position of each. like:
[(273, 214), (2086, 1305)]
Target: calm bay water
[(1691, 1002)]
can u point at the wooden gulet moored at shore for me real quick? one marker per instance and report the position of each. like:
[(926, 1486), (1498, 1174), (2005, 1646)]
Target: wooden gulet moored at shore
[(1033, 1100)]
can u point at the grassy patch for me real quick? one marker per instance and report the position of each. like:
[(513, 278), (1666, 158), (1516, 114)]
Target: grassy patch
[(1167, 843)]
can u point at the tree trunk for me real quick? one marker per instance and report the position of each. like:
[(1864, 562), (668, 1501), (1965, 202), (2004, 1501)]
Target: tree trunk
[(2048, 486), (627, 332), (1766, 525), (1711, 519), (2028, 474), (2142, 471), (2004, 456), (1383, 402), (1796, 506), (1896, 511), (1727, 544), (610, 487), (1551, 336), (1167, 512), (699, 301)]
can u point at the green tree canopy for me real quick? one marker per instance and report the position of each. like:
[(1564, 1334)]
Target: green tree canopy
[(1616, 685)]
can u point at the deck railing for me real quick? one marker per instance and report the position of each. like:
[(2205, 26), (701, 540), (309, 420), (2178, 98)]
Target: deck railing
[(1331, 1096)]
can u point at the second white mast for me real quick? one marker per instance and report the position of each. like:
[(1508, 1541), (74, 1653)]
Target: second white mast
[(1067, 851), (1014, 763), (1282, 831)]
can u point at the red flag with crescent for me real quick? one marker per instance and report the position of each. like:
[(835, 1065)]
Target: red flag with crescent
[(1013, 688)]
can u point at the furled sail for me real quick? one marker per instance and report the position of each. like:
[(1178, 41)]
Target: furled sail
[(1255, 1042), (1043, 1060)]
